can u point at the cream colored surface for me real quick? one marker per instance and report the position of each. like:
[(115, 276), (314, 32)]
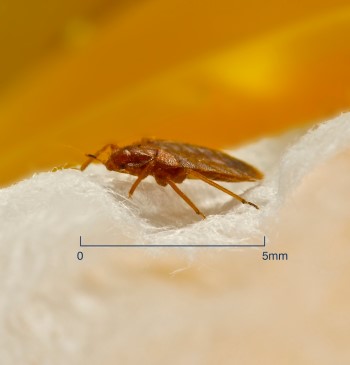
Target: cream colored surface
[(177, 306)]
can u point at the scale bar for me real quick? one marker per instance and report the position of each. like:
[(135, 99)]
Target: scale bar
[(169, 245)]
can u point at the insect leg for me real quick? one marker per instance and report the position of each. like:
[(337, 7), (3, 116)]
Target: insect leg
[(143, 175), (94, 156), (212, 183), (185, 198)]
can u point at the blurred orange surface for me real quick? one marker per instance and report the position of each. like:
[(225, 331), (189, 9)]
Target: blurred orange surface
[(78, 74)]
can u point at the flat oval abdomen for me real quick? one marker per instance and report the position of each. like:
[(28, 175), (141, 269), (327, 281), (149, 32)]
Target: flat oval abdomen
[(213, 164)]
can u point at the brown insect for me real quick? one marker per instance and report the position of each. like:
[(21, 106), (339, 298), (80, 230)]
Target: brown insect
[(171, 163)]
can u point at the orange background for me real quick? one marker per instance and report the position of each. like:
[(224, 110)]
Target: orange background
[(76, 74)]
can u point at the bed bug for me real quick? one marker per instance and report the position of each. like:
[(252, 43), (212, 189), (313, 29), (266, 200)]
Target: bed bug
[(170, 163)]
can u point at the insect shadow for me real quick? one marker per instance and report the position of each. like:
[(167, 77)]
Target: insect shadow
[(159, 207)]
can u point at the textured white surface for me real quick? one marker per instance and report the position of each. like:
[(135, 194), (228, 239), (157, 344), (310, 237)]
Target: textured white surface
[(55, 309)]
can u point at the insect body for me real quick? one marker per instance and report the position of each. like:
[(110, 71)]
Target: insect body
[(170, 163)]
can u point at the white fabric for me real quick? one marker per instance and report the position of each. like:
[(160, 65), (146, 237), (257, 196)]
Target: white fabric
[(47, 314)]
